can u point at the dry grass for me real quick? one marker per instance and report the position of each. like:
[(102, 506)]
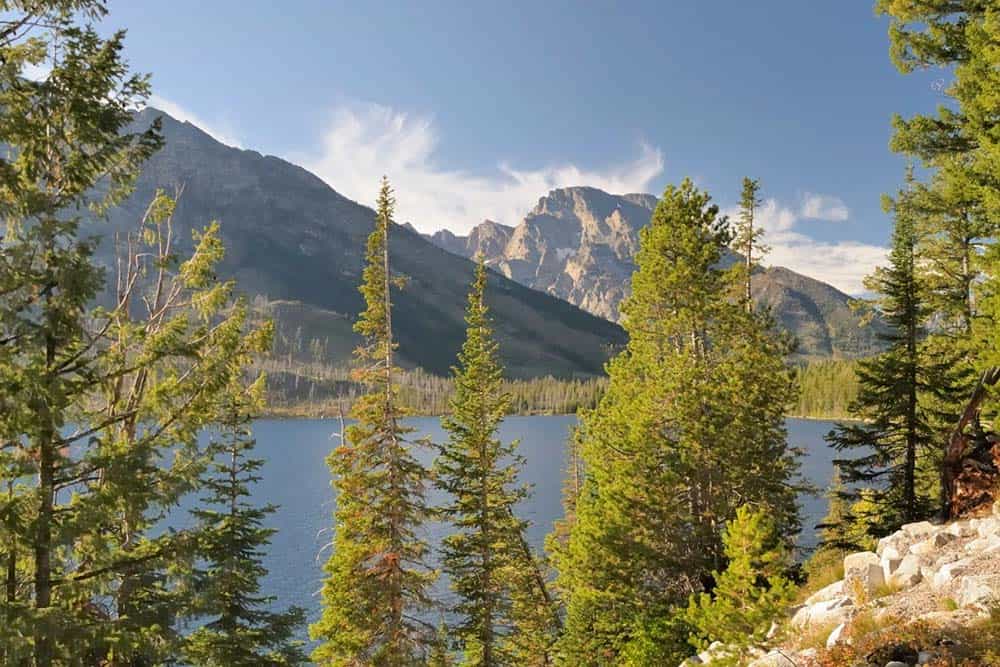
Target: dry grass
[(812, 636), (975, 645), (824, 568)]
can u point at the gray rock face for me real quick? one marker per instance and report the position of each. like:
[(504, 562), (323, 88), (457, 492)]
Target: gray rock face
[(579, 244), (290, 237)]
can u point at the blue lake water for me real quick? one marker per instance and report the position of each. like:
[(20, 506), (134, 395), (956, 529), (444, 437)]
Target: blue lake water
[(295, 478)]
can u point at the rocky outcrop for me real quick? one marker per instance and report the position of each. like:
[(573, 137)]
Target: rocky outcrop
[(945, 574), (940, 575), (579, 244)]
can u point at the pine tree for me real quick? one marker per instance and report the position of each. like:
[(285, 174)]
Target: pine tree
[(896, 438), (751, 593), (690, 427), (491, 569), (747, 239), (376, 578), (959, 36), (240, 632), (960, 146), (63, 135)]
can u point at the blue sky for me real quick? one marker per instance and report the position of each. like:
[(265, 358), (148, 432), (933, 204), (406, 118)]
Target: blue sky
[(475, 109)]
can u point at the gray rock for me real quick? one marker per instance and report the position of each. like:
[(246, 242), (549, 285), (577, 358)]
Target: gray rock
[(773, 659), (834, 590), (979, 591), (918, 530), (836, 610), (908, 573), (579, 244), (836, 635), (950, 572), (863, 574)]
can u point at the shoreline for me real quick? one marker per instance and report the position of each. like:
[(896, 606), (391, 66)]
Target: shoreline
[(294, 415)]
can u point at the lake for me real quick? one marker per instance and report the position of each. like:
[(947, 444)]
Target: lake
[(295, 478)]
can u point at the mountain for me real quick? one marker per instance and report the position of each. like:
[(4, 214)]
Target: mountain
[(579, 243), (297, 247)]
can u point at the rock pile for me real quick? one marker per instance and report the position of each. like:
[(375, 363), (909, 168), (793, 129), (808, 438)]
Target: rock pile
[(942, 575)]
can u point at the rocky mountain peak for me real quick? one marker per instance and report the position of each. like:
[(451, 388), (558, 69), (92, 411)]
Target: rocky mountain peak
[(579, 243)]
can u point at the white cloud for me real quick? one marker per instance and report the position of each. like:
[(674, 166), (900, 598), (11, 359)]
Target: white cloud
[(220, 132), (363, 143), (824, 207), (841, 263)]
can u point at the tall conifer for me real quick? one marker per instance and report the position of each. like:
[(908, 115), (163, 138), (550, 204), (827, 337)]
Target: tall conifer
[(747, 239), (505, 618), (691, 426), (238, 629), (376, 578), (896, 438)]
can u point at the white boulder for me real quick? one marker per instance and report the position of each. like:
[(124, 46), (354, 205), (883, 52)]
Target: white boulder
[(891, 559), (863, 574), (979, 591), (836, 610), (834, 590), (836, 635), (908, 572), (950, 572), (918, 530)]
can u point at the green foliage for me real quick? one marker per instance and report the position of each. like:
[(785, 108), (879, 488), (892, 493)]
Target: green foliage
[(826, 389), (897, 442), (747, 238), (752, 592), (959, 205), (239, 631), (691, 427), (657, 639), (376, 579), (490, 567), (100, 407)]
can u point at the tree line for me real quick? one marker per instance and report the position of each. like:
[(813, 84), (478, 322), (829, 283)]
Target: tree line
[(316, 390), (826, 389)]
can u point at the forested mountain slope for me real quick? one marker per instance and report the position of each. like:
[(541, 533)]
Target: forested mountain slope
[(291, 238)]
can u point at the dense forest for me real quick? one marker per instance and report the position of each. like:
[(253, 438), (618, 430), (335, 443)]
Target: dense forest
[(303, 389), (316, 390), (681, 493)]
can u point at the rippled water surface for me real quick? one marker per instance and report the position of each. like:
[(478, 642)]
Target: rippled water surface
[(296, 478)]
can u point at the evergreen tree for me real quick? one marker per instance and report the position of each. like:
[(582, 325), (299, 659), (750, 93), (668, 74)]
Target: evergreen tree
[(376, 577), (896, 437), (241, 632), (63, 136), (747, 239), (960, 146), (960, 36), (691, 427), (487, 560), (838, 530), (751, 593)]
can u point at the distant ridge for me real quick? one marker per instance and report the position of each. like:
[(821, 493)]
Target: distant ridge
[(291, 238), (579, 244)]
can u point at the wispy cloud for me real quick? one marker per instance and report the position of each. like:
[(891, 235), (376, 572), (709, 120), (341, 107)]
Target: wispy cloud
[(220, 131), (363, 142), (841, 263), (824, 207)]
